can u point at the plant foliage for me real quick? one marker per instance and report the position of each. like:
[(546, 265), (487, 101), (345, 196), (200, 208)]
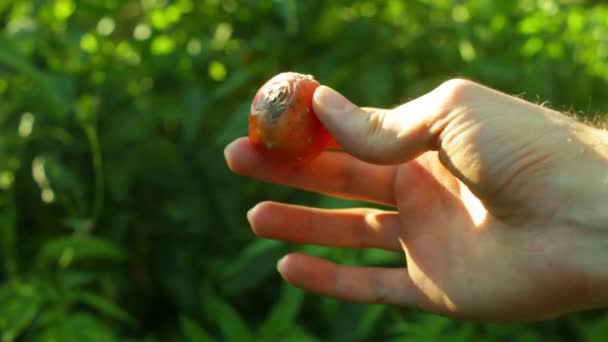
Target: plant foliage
[(119, 219)]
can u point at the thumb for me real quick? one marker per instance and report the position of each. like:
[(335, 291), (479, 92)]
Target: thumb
[(378, 136)]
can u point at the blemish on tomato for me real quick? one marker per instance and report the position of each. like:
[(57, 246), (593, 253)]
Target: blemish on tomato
[(282, 122)]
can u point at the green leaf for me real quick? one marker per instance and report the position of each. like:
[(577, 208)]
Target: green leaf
[(226, 317), (192, 331), (347, 320), (435, 325), (237, 125), (78, 327), (72, 279), (69, 249), (177, 277), (20, 304), (105, 306), (427, 326), (296, 334), (380, 257), (238, 79), (255, 263), (369, 318), (595, 330), (283, 315)]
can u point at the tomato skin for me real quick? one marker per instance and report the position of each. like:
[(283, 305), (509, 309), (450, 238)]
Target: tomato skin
[(282, 123)]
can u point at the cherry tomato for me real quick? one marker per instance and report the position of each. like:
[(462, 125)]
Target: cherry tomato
[(282, 123)]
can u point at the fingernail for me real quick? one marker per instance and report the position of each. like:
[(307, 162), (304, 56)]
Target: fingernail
[(228, 148), (281, 264), (250, 215), (331, 100)]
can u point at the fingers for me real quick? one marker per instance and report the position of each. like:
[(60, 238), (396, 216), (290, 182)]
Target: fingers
[(390, 136), (358, 284), (331, 173), (338, 228)]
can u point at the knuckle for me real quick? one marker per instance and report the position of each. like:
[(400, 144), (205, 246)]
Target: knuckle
[(456, 92), (375, 123), (348, 179), (453, 98), (339, 283), (380, 290), (456, 88)]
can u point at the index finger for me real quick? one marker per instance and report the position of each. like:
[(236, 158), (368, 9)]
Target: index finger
[(332, 173)]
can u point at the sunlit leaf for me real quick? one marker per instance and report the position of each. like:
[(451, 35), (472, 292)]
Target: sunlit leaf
[(162, 45), (63, 9), (217, 71)]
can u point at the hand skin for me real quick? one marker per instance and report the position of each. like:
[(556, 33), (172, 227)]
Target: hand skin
[(500, 205)]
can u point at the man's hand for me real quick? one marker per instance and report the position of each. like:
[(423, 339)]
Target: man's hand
[(499, 205)]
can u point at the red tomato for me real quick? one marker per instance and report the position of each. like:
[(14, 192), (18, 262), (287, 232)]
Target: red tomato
[(282, 123)]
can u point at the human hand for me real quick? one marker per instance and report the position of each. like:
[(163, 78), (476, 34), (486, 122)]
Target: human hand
[(499, 205)]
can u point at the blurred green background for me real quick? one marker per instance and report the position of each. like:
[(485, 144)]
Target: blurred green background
[(119, 219)]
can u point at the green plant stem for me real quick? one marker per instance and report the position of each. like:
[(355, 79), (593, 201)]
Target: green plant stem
[(98, 199)]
